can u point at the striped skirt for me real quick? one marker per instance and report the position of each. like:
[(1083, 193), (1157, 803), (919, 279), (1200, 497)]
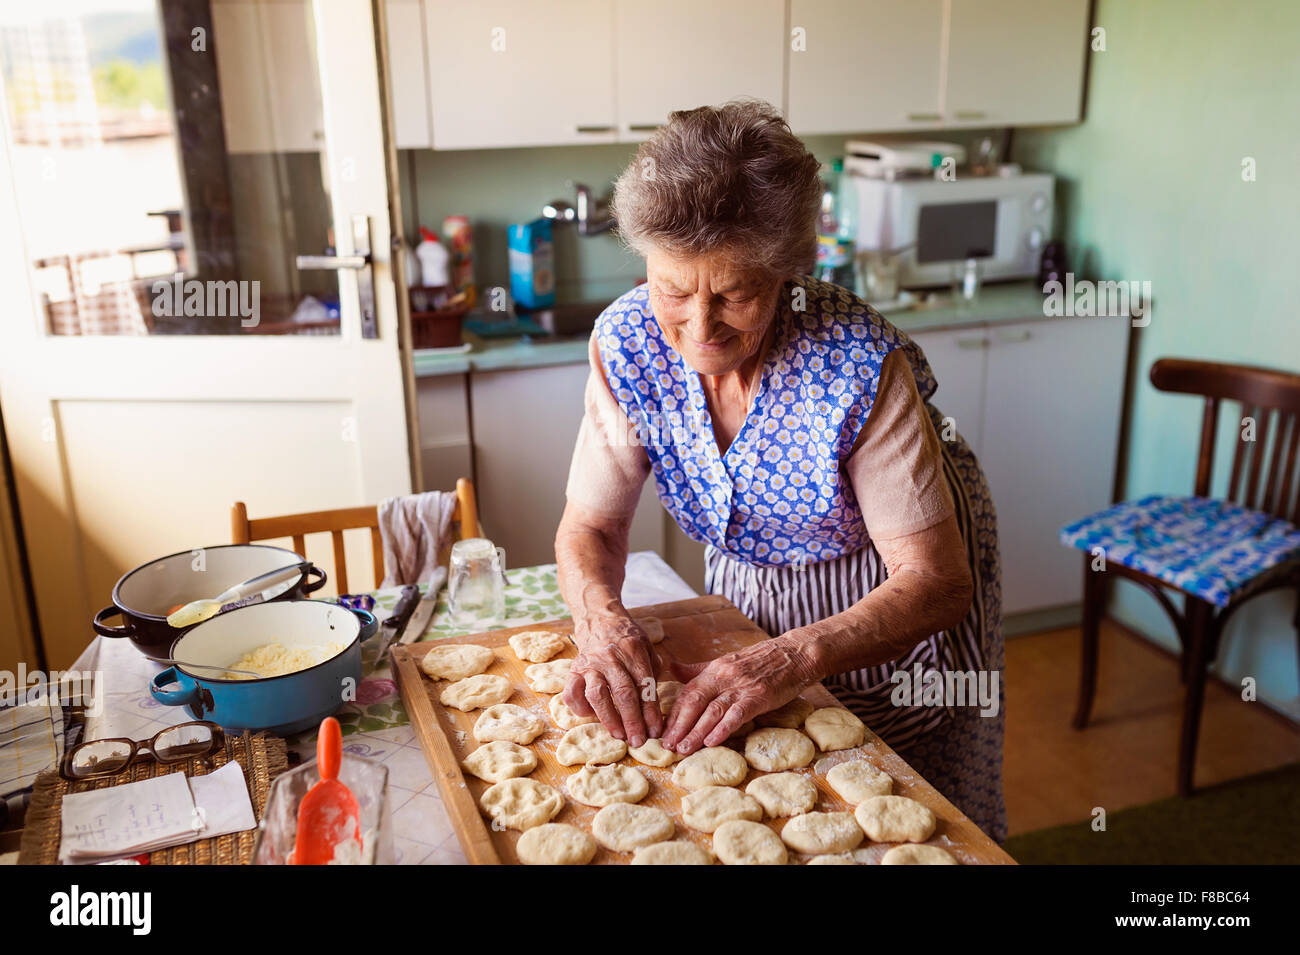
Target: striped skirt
[(958, 750)]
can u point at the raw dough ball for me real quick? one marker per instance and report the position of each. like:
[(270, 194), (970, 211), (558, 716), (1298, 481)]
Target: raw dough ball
[(589, 743), (548, 677), (790, 716), (783, 794), (623, 827), (819, 832), (564, 717), (707, 808), (475, 692), (555, 843), (845, 859), (602, 785), (508, 721), (653, 628), (895, 819), (672, 853), (917, 855), (536, 646), (667, 692), (834, 727), (775, 748), (711, 766), (456, 661), (521, 803), (500, 760), (857, 780), (748, 843), (652, 753)]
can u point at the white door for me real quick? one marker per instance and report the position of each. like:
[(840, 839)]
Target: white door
[(869, 65), (680, 54), (139, 408), (957, 358)]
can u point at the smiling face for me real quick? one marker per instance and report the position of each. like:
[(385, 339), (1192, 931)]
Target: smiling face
[(711, 312)]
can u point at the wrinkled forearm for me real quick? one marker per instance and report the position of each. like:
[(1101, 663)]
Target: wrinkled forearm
[(591, 558)]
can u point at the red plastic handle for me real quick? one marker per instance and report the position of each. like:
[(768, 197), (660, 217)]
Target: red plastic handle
[(329, 748)]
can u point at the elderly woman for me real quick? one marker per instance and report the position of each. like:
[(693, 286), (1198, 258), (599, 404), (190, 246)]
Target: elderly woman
[(788, 428)]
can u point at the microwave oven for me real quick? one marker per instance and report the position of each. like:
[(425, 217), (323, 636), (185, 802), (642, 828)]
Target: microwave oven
[(936, 225)]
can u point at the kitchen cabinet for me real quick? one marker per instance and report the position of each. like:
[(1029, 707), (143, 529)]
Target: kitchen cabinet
[(270, 84), (865, 65), (957, 359), (679, 54), (1015, 62), (409, 80), (520, 73)]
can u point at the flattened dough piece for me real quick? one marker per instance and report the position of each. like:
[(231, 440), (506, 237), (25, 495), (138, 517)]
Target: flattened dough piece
[(917, 855), (508, 721), (667, 692), (589, 743), (602, 785), (536, 646), (707, 808), (548, 677), (857, 780), (652, 753), (822, 832), (748, 843), (564, 717), (521, 803), (783, 794), (456, 661), (498, 760), (476, 692), (653, 628), (555, 843), (790, 716), (622, 826), (775, 749), (678, 852), (834, 727), (845, 859), (711, 766), (895, 819)]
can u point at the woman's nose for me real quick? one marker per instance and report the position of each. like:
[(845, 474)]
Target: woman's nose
[(699, 325)]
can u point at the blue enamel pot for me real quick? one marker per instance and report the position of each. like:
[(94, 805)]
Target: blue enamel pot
[(283, 704)]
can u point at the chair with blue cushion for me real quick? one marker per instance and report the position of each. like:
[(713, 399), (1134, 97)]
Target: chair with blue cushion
[(1217, 552)]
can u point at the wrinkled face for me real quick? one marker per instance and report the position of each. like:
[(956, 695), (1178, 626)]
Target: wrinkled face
[(711, 312)]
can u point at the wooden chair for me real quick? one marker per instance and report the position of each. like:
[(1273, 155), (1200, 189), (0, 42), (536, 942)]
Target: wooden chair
[(1263, 481), (335, 522)]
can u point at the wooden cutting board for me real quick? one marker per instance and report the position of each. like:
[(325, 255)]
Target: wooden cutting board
[(694, 631)]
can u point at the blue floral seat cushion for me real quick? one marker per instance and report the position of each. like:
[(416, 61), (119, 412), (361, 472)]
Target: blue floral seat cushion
[(1209, 548)]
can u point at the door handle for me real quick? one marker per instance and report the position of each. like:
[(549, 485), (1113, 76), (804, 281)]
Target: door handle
[(971, 114), (973, 341), (1011, 338), (362, 262)]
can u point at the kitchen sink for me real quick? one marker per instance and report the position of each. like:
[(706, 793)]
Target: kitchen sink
[(573, 319)]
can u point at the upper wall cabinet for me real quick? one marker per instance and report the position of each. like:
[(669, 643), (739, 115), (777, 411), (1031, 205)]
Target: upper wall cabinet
[(519, 72), (679, 54), (865, 65), (1015, 62), (410, 82)]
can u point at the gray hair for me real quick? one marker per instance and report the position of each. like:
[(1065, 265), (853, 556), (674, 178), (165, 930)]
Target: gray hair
[(730, 180)]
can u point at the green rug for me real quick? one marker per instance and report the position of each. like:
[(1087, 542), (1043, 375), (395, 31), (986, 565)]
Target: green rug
[(1255, 820)]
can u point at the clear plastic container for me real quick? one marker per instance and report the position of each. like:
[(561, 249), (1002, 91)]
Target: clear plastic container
[(368, 781)]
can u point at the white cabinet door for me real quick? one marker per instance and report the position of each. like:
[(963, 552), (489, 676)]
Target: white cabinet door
[(679, 54), (1015, 62), (1051, 430), (407, 78), (957, 358), (519, 72), (864, 65)]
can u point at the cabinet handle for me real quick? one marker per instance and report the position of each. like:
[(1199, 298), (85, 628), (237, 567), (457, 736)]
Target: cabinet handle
[(595, 129), (973, 341), (643, 127), (923, 117), (971, 114), (1012, 338)]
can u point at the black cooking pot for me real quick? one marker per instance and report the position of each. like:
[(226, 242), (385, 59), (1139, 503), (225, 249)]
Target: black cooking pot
[(144, 596)]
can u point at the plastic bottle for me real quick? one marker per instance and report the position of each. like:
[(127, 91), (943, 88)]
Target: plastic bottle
[(433, 258), (836, 227)]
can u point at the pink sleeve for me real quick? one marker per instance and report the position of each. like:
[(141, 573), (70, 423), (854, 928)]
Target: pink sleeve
[(608, 468), (896, 468)]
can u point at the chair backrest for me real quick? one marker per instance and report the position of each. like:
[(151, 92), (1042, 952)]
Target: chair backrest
[(335, 522), (1265, 475)]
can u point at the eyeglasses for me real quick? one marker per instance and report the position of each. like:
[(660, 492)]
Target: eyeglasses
[(108, 757)]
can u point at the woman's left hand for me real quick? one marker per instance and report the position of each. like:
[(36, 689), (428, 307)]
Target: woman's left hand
[(725, 693)]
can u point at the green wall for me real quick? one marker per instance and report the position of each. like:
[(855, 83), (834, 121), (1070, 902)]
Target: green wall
[(1151, 189)]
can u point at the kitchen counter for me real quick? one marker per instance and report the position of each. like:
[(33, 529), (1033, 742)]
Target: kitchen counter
[(1011, 302)]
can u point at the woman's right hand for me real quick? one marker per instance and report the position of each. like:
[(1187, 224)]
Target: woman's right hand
[(613, 678)]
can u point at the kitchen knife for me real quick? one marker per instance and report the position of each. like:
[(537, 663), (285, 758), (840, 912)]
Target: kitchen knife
[(419, 621), (397, 620)]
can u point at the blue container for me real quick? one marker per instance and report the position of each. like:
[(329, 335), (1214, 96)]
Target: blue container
[(532, 264)]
